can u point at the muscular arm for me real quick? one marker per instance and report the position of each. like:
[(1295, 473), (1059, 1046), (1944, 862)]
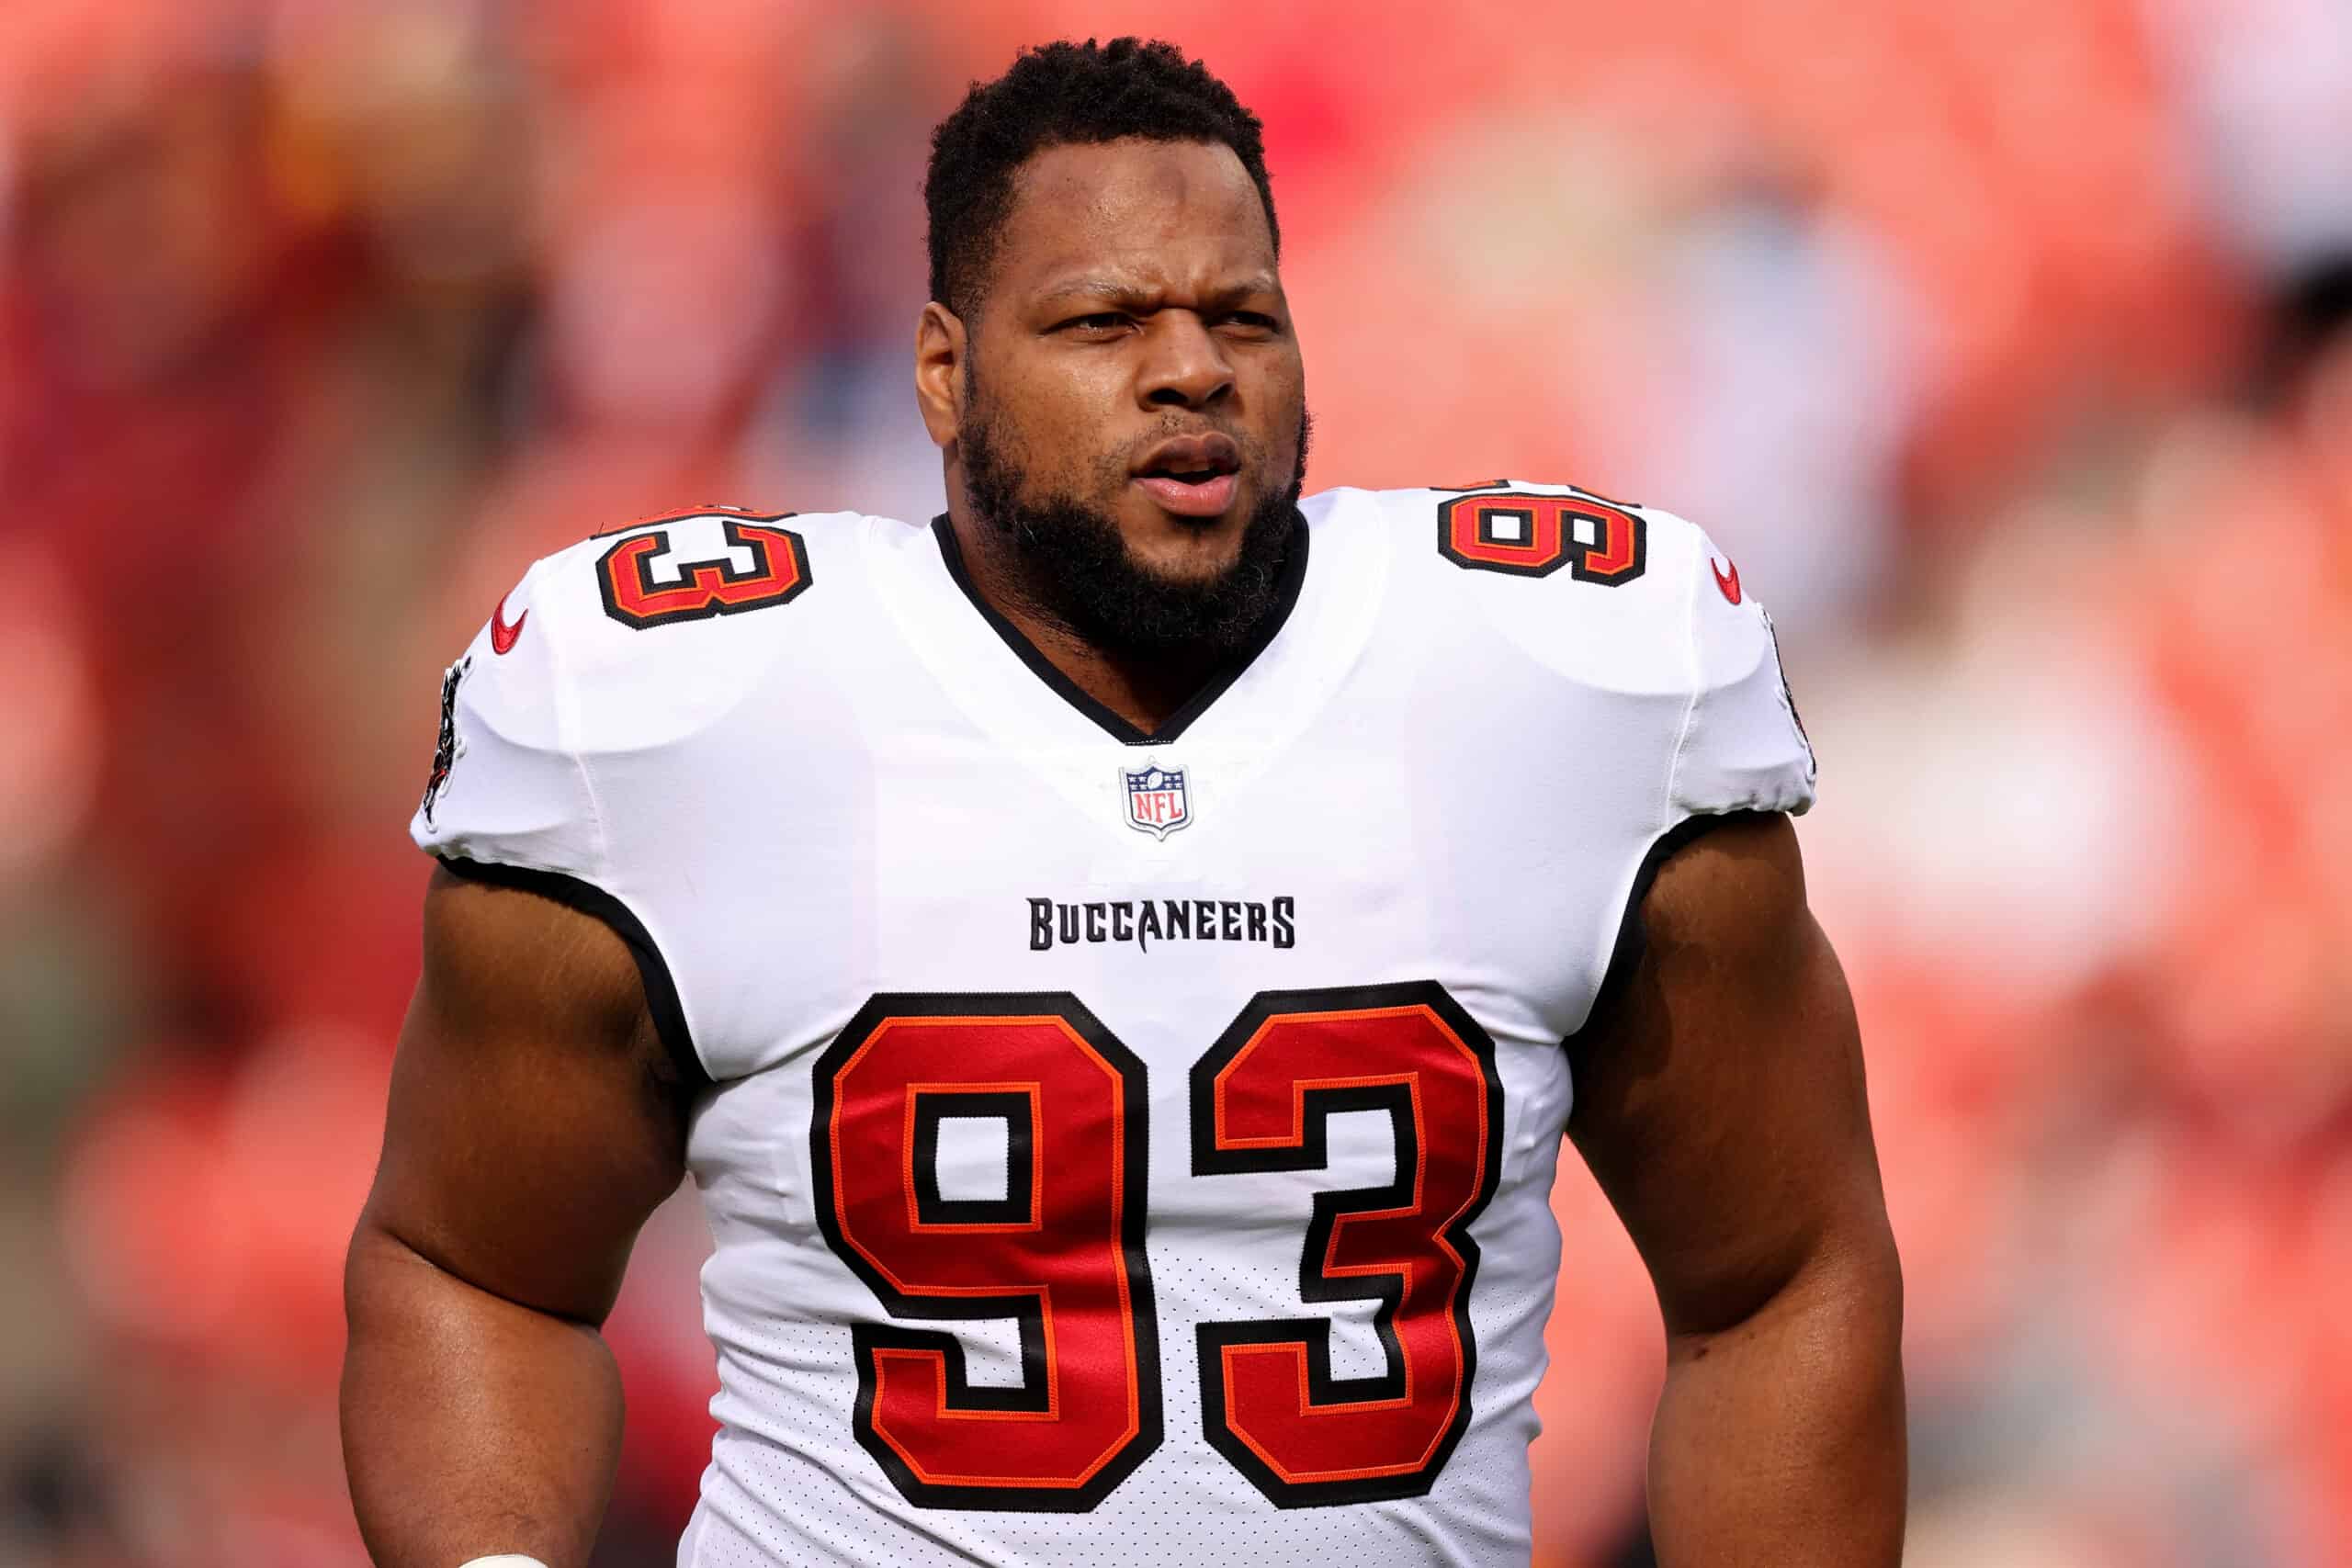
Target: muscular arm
[(534, 1123), (1720, 1106)]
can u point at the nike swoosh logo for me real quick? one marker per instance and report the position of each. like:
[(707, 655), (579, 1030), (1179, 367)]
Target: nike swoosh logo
[(502, 635), (1729, 583)]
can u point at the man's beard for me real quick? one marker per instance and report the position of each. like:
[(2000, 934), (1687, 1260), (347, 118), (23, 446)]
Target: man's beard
[(1070, 563)]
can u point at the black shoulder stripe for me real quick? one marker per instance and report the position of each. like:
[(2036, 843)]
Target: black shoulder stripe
[(1633, 936), (660, 990)]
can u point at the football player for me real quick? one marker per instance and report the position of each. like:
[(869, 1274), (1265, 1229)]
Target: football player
[(1119, 963)]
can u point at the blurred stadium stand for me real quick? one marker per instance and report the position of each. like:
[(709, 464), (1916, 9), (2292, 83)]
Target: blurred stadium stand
[(2007, 346)]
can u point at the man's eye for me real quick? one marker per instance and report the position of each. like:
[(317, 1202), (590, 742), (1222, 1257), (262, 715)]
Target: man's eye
[(1102, 320), (1253, 320)]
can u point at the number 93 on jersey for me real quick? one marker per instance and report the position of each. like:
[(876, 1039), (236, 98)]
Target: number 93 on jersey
[(1063, 1250)]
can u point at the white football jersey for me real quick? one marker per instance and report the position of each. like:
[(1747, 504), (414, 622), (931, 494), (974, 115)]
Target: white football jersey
[(1120, 1149)]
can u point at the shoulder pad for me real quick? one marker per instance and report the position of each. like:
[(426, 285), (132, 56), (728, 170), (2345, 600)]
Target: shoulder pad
[(1630, 599)]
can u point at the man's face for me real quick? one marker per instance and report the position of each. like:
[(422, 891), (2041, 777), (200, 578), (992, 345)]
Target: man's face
[(1132, 419)]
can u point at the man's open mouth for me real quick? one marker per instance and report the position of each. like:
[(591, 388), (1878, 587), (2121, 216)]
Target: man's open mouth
[(1192, 475)]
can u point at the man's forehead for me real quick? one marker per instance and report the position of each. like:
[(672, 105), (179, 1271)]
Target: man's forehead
[(1119, 278), (1130, 209), (1136, 168)]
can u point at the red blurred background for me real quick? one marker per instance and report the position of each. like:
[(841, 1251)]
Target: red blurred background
[(2008, 346)]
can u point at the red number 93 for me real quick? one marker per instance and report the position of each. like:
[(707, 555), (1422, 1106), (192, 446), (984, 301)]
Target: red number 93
[(1062, 1252)]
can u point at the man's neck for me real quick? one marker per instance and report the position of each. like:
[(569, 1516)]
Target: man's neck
[(1145, 690)]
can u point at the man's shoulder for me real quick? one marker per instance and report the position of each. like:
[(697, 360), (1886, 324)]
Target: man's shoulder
[(609, 675), (714, 567), (1593, 587), (1554, 593), (661, 623), (1521, 528)]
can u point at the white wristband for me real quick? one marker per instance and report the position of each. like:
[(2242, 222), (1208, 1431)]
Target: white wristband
[(508, 1560)]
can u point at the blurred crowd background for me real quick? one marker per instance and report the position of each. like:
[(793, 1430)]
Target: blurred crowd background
[(2007, 346)]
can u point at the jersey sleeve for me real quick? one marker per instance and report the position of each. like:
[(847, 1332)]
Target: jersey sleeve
[(610, 738), (1741, 746), (507, 787), (510, 801)]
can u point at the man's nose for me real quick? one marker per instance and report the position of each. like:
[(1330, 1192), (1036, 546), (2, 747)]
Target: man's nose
[(1185, 366)]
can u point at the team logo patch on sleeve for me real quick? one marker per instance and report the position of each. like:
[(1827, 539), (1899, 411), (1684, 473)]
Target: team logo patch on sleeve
[(1157, 801), (446, 747)]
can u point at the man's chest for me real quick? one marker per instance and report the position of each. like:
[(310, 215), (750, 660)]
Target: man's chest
[(1214, 980), (1164, 1110)]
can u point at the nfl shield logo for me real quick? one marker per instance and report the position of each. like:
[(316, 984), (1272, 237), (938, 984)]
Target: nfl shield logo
[(1158, 802)]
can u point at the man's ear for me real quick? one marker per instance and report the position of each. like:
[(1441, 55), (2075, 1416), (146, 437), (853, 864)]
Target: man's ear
[(940, 347)]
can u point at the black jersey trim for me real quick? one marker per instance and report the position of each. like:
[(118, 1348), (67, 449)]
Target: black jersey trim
[(660, 989), (1633, 935), (1286, 591)]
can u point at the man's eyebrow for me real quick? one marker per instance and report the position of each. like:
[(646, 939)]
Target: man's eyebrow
[(1130, 296)]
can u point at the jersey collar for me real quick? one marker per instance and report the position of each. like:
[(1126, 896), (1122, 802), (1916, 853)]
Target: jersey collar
[(1286, 591)]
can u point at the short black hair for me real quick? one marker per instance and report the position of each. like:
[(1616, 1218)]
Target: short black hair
[(1054, 95)]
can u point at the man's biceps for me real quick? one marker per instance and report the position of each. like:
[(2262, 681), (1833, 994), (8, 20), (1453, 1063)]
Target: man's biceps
[(1732, 1181), (529, 1185), (1823, 1037), (505, 959), (520, 1230), (1720, 1252), (393, 1260)]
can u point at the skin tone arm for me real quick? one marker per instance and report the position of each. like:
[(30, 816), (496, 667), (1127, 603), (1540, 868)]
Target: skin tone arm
[(534, 1122), (1720, 1105)]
